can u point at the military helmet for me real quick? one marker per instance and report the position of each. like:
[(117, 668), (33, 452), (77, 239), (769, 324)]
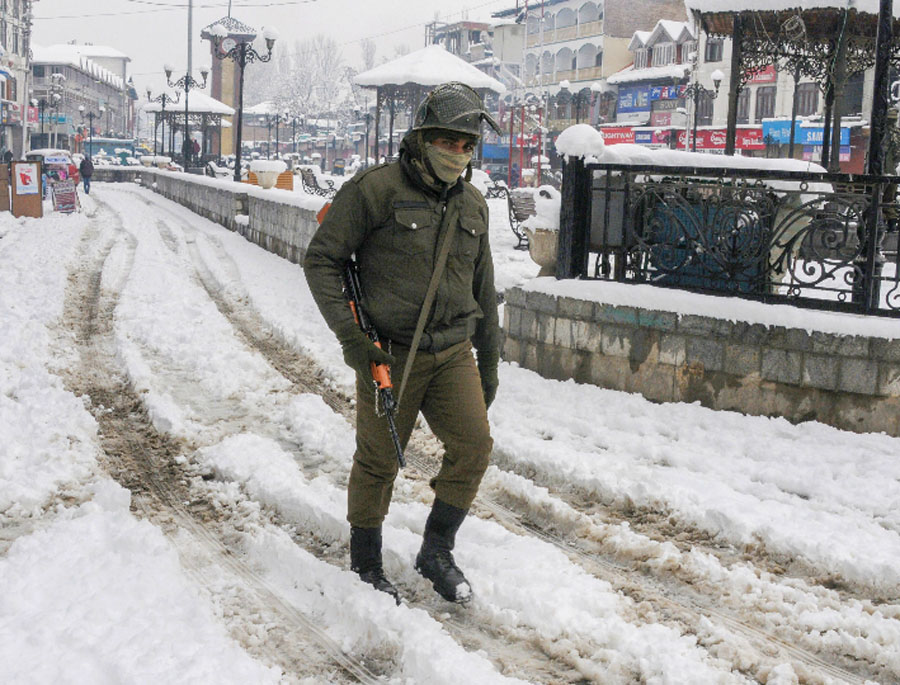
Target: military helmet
[(453, 107)]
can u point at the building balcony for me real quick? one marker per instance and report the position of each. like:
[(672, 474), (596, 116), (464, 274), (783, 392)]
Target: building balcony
[(590, 28), (586, 30), (573, 75)]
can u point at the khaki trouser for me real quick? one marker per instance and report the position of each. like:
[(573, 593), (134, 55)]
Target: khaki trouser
[(446, 387)]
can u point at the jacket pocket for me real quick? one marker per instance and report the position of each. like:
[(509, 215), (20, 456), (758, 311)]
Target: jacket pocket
[(413, 230), (468, 238)]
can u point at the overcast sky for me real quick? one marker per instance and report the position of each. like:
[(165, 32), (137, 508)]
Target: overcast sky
[(154, 32)]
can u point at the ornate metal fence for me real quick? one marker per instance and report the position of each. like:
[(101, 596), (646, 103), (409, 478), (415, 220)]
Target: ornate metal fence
[(817, 240)]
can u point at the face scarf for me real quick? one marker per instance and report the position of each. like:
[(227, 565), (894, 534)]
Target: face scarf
[(447, 165)]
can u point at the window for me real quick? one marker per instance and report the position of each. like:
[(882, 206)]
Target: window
[(640, 58), (743, 107), (705, 110), (663, 54), (598, 60), (807, 99), (765, 103), (853, 95), (3, 33), (713, 52), (15, 36), (39, 71)]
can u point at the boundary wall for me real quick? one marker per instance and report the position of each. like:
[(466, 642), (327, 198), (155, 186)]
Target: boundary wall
[(847, 381)]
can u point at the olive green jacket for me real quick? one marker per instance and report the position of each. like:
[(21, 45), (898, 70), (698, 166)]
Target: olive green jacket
[(394, 223)]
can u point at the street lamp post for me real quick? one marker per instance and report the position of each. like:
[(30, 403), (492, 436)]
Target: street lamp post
[(238, 48), (90, 117), (162, 99), (694, 91), (185, 83)]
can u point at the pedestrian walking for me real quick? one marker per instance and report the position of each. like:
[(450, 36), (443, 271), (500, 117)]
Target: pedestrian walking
[(419, 233), (86, 169)]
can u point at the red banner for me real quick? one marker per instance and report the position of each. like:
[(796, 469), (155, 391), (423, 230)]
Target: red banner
[(613, 135), (714, 139)]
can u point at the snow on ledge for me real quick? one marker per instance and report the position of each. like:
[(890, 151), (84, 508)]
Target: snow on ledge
[(732, 309)]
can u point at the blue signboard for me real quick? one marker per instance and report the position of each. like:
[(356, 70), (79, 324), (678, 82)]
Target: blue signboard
[(780, 132), (666, 92), (643, 137), (634, 99)]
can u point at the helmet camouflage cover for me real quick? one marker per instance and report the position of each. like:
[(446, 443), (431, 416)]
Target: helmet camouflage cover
[(453, 107)]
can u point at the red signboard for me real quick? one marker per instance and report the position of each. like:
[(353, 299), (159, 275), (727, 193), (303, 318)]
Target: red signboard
[(617, 134), (32, 115), (767, 75), (714, 139)]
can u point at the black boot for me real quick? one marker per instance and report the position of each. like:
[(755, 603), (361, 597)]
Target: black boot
[(365, 559), (435, 560)]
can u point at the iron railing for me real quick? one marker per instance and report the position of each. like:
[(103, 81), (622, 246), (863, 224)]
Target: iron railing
[(816, 240)]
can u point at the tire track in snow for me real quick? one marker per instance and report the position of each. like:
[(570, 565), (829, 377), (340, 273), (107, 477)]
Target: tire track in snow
[(688, 611), (142, 460)]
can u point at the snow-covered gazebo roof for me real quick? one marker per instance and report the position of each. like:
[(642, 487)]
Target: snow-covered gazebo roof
[(430, 66), (408, 78), (198, 103)]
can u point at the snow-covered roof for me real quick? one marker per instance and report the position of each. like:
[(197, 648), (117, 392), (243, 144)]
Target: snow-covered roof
[(232, 26), (630, 75), (639, 40), (198, 103), (102, 51), (712, 6), (267, 107), (430, 66), (76, 56), (674, 31)]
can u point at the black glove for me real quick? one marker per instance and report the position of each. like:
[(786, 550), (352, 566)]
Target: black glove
[(487, 367), (360, 352)]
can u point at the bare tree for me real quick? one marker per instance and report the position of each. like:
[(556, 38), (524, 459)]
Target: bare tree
[(367, 46)]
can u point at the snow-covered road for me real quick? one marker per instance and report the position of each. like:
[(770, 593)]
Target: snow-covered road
[(175, 438)]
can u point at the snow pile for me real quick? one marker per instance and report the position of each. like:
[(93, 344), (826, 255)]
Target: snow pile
[(581, 140), (100, 597), (275, 166), (547, 202), (46, 436)]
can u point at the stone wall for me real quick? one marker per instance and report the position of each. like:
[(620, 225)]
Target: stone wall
[(851, 382), (282, 228), (275, 221), (201, 195)]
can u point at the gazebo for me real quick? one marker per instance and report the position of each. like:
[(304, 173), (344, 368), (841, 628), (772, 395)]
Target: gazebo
[(407, 79), (205, 113), (828, 41)]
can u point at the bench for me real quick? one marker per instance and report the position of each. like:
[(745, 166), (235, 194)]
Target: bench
[(521, 207), (311, 184), (496, 190)]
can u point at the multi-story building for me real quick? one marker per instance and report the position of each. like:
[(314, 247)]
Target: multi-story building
[(66, 78), (15, 38), (570, 49)]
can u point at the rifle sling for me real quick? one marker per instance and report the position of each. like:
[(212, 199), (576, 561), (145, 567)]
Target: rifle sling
[(426, 306)]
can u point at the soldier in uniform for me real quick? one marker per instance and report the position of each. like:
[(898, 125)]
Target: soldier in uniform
[(393, 218)]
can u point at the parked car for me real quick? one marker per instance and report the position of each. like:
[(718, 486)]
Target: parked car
[(58, 163)]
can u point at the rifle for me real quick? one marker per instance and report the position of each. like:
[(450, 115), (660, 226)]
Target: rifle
[(381, 373)]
